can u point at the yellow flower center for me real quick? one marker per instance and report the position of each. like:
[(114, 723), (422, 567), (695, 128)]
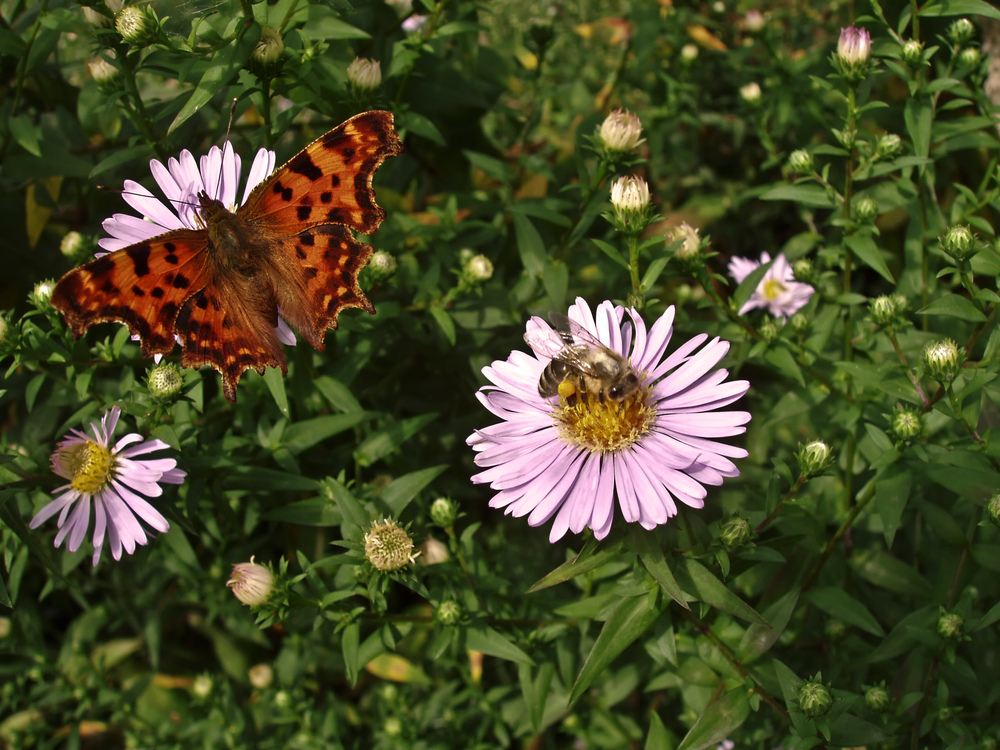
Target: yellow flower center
[(604, 427), (90, 465), (773, 288)]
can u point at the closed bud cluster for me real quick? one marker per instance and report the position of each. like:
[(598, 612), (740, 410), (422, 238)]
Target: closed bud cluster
[(815, 698), (690, 247), (814, 458), (449, 613), (970, 57), (41, 295), (907, 423), (444, 512), (959, 242), (75, 246), (993, 508), (251, 583), (769, 331), (261, 675), (630, 200), (478, 269), (202, 686), (388, 547), (943, 360), (800, 161), (950, 625), (364, 74), (107, 76), (689, 53), (267, 54), (164, 382), (889, 144), (853, 52), (960, 32), (382, 266), (913, 53), (734, 532), (750, 92), (799, 322), (620, 133), (754, 21), (802, 270), (877, 698), (865, 208), (834, 629), (885, 310), (137, 25)]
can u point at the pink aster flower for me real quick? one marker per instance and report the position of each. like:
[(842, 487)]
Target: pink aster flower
[(777, 291), (107, 478), (565, 458), (218, 175)]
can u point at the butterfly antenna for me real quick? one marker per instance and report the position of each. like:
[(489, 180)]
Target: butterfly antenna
[(229, 127), (143, 195)]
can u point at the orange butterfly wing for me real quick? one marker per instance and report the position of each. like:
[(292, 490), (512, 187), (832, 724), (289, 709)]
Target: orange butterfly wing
[(143, 286)]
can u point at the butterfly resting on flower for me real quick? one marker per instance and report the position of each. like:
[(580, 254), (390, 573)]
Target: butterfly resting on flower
[(217, 289)]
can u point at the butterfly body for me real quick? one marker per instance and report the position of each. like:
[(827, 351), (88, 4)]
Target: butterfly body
[(218, 288)]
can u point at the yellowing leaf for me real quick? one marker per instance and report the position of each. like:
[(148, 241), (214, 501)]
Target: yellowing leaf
[(705, 38), (397, 669), (37, 215)]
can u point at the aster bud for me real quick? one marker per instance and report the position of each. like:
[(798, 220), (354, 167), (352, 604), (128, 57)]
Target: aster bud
[(734, 532), (630, 200), (392, 727), (41, 295), (283, 699), (993, 508), (201, 686), (164, 382), (889, 144), (949, 626), (620, 133), (444, 512), (959, 242), (877, 698), (270, 47), (689, 53), (750, 92), (690, 247), (364, 74), (388, 547), (480, 268), (913, 53), (815, 698), (799, 322), (834, 629), (769, 331), (754, 21), (970, 57), (138, 25), (382, 266), (884, 310), (251, 583), (960, 32), (97, 19), (449, 613), (261, 675), (814, 458), (865, 208), (107, 76), (4, 337), (943, 360), (906, 423), (803, 270), (800, 161), (414, 23), (853, 52)]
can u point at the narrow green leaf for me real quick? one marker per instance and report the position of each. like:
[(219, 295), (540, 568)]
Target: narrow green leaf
[(445, 323), (657, 738), (838, 603), (864, 247), (337, 394), (349, 506), (488, 641), (400, 491), (384, 441), (259, 478), (276, 385), (954, 306), (918, 116), (611, 251), (529, 244), (696, 579), (887, 572), (807, 195), (891, 495), (758, 639), (317, 511), (651, 555), (350, 644), (302, 435), (960, 8), (631, 619), (718, 721), (654, 271), (555, 279), (588, 559)]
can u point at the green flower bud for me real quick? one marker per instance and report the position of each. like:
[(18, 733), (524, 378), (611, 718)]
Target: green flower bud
[(993, 508), (961, 31), (959, 242), (449, 613), (815, 698), (266, 56), (382, 266), (834, 629), (444, 512), (251, 583), (137, 25), (865, 208), (619, 133), (949, 626), (41, 295), (388, 547), (734, 532), (479, 269), (877, 698), (799, 322), (907, 423), (283, 699), (690, 247), (885, 310), (800, 161), (889, 144), (750, 92), (630, 201), (913, 53), (970, 57), (803, 270), (853, 52), (5, 627), (689, 53), (202, 686), (392, 727), (814, 458), (164, 382), (943, 360), (364, 74), (261, 675), (769, 331)]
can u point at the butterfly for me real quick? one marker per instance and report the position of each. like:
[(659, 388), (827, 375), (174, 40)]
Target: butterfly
[(217, 289)]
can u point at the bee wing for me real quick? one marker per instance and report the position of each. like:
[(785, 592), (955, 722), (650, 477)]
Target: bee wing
[(559, 344), (545, 341), (569, 329)]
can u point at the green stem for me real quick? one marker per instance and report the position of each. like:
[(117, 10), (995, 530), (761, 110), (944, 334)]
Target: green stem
[(633, 270), (844, 527), (789, 496)]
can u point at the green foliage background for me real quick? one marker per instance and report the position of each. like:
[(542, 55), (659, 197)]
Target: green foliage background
[(579, 643)]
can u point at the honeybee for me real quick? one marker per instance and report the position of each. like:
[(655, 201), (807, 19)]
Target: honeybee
[(580, 364)]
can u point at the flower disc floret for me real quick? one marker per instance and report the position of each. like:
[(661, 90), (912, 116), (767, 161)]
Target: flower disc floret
[(605, 426), (388, 547)]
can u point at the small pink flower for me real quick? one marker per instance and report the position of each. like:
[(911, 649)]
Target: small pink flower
[(777, 291)]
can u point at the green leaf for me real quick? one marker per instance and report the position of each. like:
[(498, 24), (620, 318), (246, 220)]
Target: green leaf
[(325, 25), (416, 123), (758, 639), (317, 511), (488, 641), (749, 284), (402, 490), (220, 72), (495, 168), (784, 362), (654, 271), (589, 559), (302, 435), (891, 494), (696, 579), (337, 394), (121, 158), (611, 251), (536, 691), (384, 441), (529, 244), (630, 619), (657, 738), (954, 306), (350, 645), (276, 385), (918, 116), (887, 572), (555, 279), (806, 195), (651, 556), (864, 247), (722, 716), (960, 8), (444, 321), (259, 478), (26, 133), (349, 506), (838, 603)]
